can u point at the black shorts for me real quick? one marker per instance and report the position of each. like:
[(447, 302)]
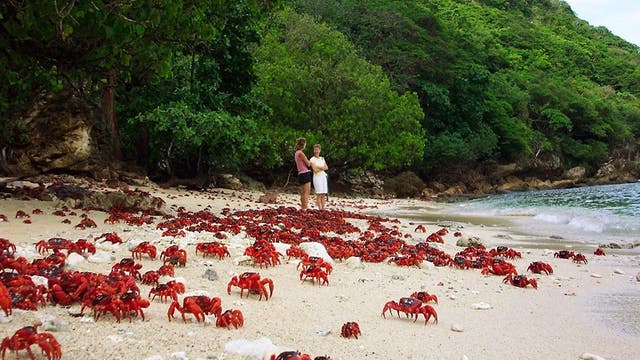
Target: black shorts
[(305, 177)]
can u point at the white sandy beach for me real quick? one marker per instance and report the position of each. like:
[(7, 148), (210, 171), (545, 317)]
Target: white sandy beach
[(579, 311)]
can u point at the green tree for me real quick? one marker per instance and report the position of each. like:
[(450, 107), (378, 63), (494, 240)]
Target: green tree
[(315, 83)]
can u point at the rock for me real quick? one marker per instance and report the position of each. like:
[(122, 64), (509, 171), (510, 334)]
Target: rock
[(154, 357), (210, 275), (322, 332), (100, 257), (354, 262), (131, 200), (589, 356), (75, 143), (73, 260), (638, 277), (257, 349), (597, 276), (405, 184), (179, 355), (457, 327), (362, 182), (481, 306), (561, 184), (618, 271), (317, 249), (512, 183), (468, 241), (426, 265), (269, 197), (575, 173), (243, 260), (606, 170), (228, 181)]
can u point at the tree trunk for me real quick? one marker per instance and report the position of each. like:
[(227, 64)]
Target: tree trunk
[(110, 114)]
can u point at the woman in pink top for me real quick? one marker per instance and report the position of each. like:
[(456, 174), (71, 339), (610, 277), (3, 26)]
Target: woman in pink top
[(304, 173)]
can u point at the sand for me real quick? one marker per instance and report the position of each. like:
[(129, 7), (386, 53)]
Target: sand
[(580, 311)]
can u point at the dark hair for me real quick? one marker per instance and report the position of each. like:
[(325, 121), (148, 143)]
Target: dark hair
[(301, 143)]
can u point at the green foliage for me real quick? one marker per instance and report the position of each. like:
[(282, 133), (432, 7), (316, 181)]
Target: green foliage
[(185, 141), (314, 81), (556, 120), (385, 85), (517, 72)]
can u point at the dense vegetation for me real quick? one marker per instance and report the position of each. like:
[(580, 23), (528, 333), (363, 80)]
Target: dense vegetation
[(382, 84)]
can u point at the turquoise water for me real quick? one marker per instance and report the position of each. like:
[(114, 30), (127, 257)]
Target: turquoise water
[(594, 214)]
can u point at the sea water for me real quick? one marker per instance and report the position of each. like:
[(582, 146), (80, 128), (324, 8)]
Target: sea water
[(595, 214)]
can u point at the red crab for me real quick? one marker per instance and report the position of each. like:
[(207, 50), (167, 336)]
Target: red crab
[(425, 296), (520, 281), (5, 300), (132, 301), (411, 306), (168, 290), (144, 248), (170, 250), (179, 258), (315, 261), (420, 228), (253, 283), (412, 260), (23, 338), (166, 270), (103, 304), (7, 246), (296, 252), (150, 277), (230, 318), (213, 248), (499, 268), (57, 244), (21, 214), (196, 305), (599, 252), (435, 237), (86, 223), (564, 254), (539, 267), (579, 259), (128, 266), (263, 253), (350, 329), (110, 237), (314, 273), (4, 218), (505, 251), (290, 355)]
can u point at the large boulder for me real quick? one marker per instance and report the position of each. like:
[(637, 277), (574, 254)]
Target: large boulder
[(575, 173), (62, 134), (405, 184), (362, 183)]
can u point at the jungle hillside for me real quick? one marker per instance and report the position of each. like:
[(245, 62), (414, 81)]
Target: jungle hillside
[(446, 90)]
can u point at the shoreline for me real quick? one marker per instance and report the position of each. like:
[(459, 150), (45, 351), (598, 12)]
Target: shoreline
[(554, 321)]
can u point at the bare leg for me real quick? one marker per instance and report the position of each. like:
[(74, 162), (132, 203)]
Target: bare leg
[(319, 201), (304, 195)]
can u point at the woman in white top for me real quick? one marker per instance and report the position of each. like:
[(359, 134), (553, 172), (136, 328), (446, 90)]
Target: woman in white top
[(318, 165)]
